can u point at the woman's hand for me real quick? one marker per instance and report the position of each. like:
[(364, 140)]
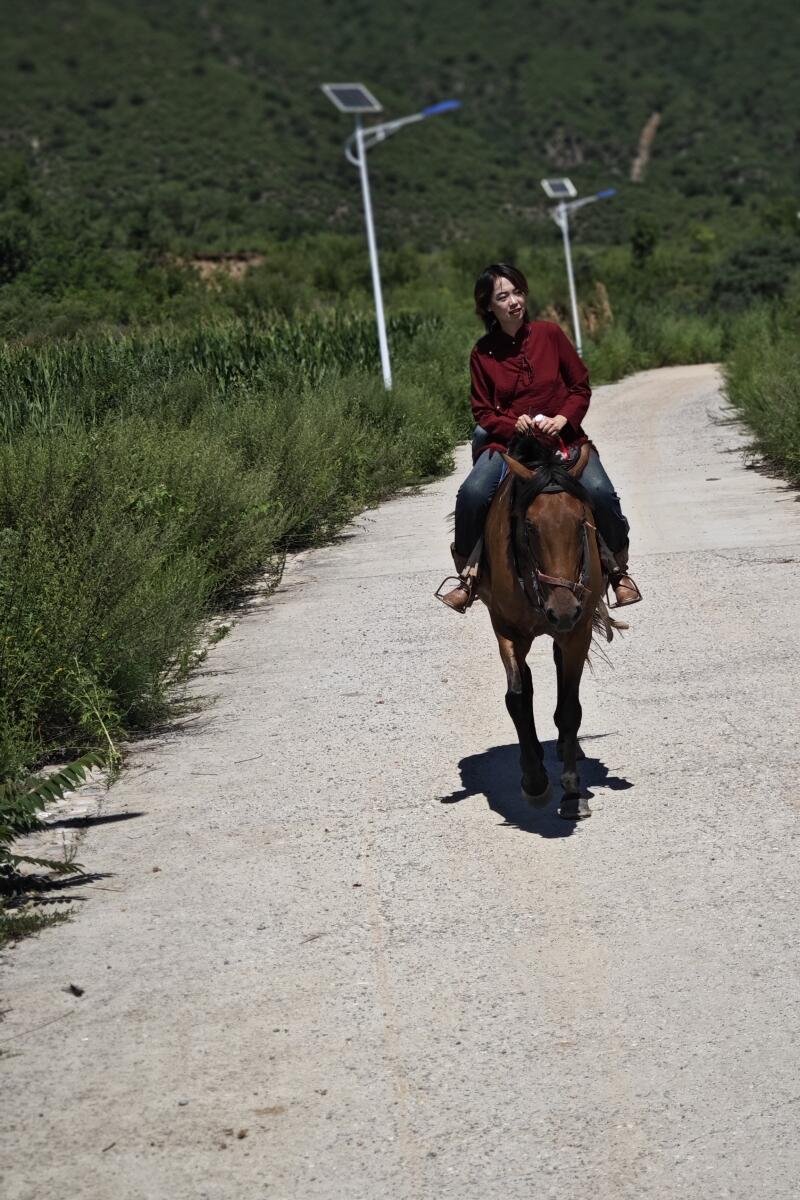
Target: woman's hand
[(551, 425), (525, 424)]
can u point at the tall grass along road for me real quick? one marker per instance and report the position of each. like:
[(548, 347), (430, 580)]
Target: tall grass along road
[(334, 956), (144, 479)]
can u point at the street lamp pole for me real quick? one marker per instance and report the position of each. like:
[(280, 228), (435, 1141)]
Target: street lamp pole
[(354, 98), (383, 342), (562, 220), (557, 189)]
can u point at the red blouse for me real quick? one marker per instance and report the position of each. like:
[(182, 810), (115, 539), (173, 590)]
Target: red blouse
[(537, 371)]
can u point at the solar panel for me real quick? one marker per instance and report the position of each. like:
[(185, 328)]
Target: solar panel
[(352, 98), (559, 189)]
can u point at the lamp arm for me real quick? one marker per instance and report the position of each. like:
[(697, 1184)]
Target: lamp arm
[(379, 133), (572, 205)]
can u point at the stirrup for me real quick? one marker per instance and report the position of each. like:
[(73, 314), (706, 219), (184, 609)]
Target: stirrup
[(634, 600), (459, 581)]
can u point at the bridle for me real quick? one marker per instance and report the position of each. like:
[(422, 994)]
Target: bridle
[(579, 586)]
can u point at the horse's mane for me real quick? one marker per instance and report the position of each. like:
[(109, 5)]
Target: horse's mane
[(550, 473)]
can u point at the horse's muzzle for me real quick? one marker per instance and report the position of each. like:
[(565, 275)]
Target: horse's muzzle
[(562, 618)]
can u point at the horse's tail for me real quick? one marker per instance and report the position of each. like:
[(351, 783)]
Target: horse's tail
[(603, 623)]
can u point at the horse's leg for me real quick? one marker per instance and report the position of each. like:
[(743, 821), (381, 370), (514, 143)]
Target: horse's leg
[(519, 702), (570, 658), (557, 659)]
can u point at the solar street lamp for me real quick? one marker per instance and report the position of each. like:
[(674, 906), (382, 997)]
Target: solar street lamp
[(356, 99), (565, 192)]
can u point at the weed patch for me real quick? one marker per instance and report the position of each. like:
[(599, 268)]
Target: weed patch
[(762, 381)]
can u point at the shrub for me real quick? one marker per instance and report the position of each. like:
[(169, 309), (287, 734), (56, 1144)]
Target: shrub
[(666, 338), (613, 355), (16, 244), (644, 237), (755, 272)]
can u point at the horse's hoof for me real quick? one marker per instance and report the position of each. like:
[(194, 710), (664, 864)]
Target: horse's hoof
[(574, 808), (539, 800)]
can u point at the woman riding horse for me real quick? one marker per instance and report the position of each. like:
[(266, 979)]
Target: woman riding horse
[(526, 378)]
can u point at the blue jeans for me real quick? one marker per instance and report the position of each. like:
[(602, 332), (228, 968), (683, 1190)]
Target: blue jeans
[(474, 497), (476, 492), (605, 504)]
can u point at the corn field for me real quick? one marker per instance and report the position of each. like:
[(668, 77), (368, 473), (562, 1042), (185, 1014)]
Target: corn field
[(41, 386)]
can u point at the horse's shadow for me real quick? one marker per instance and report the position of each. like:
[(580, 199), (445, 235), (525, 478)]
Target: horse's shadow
[(495, 774)]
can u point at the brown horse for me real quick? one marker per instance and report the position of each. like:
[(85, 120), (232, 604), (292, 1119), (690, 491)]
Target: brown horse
[(543, 574)]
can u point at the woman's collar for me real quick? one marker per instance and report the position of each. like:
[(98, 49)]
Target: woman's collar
[(516, 338)]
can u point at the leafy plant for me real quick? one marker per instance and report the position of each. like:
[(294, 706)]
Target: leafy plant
[(22, 799)]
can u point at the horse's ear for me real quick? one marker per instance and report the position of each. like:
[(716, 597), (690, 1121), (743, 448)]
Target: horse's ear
[(516, 468)]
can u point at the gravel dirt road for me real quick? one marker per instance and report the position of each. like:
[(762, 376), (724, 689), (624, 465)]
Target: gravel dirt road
[(332, 955)]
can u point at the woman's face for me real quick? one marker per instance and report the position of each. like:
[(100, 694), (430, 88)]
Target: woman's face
[(507, 303)]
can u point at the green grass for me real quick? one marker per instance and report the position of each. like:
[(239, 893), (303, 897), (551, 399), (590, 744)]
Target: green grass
[(762, 380), (654, 338), (17, 923), (132, 503)]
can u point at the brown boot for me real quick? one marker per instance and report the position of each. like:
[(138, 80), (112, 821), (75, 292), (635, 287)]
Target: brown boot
[(462, 595), (624, 587)]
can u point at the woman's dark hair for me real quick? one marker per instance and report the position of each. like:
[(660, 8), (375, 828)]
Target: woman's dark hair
[(485, 286)]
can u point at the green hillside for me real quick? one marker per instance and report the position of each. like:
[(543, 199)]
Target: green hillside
[(200, 125)]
